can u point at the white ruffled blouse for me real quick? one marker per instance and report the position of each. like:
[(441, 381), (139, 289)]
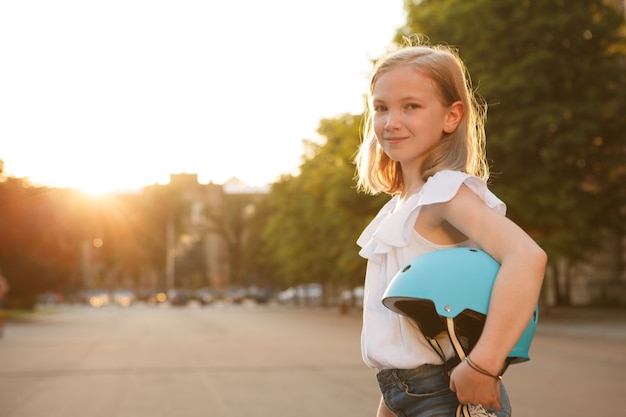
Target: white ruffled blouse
[(389, 340)]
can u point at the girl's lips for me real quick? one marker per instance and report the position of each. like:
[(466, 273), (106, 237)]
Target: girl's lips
[(394, 140)]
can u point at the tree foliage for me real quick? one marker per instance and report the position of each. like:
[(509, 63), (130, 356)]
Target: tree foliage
[(311, 221), (38, 245), (232, 220), (553, 73), (50, 238)]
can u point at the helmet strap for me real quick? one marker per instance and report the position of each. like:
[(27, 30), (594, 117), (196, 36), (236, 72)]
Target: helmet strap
[(456, 343), (437, 347), (458, 347)]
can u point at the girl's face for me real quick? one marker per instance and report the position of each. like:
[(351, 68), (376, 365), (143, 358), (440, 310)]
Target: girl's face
[(409, 119)]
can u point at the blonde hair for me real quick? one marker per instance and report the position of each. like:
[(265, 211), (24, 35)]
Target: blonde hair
[(461, 150)]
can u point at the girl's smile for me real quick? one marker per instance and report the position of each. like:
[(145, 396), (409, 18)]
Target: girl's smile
[(394, 140)]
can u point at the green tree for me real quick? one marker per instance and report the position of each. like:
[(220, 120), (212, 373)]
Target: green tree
[(312, 221), (232, 221), (553, 75)]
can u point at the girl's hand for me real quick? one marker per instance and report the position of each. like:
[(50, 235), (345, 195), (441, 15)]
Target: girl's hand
[(472, 387)]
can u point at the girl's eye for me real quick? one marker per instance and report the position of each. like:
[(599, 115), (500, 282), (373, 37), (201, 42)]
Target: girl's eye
[(379, 108), (412, 106)]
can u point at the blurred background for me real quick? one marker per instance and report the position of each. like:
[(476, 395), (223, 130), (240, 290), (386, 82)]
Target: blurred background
[(233, 203)]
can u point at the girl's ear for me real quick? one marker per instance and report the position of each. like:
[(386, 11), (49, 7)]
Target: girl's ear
[(455, 114)]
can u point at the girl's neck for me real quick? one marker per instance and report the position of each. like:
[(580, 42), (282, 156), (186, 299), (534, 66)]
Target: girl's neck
[(411, 189), (412, 179)]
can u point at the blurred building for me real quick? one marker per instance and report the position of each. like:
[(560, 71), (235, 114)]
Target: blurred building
[(216, 219)]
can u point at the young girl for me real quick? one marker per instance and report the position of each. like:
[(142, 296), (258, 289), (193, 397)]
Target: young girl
[(424, 143)]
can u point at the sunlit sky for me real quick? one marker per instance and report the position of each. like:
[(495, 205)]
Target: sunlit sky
[(109, 95)]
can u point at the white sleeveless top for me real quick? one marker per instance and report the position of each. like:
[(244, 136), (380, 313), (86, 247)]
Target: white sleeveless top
[(389, 242)]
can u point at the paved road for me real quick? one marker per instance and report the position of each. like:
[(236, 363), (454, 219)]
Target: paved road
[(236, 361)]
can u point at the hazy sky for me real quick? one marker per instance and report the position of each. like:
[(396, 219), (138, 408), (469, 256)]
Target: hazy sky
[(118, 94)]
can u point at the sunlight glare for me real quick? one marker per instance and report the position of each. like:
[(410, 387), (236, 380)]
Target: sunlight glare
[(174, 88)]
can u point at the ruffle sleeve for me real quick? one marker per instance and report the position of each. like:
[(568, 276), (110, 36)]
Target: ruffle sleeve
[(374, 240), (393, 224)]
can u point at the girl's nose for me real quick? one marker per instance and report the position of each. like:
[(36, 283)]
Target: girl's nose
[(392, 121)]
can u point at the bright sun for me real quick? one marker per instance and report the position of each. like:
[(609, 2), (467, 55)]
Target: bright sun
[(97, 181), (97, 189)]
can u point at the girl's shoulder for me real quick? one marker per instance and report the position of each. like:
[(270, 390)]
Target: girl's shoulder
[(444, 185), (395, 221)]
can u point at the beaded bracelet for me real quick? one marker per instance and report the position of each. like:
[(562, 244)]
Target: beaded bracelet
[(481, 370)]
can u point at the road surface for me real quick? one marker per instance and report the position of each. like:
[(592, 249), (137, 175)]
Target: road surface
[(262, 361)]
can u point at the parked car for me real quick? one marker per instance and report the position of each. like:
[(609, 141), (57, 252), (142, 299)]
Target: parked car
[(123, 298), (206, 296), (259, 294), (179, 296), (97, 298), (287, 296), (305, 294), (235, 295), (50, 298)]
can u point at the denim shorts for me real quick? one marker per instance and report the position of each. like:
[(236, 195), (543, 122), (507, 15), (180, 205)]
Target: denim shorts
[(425, 392)]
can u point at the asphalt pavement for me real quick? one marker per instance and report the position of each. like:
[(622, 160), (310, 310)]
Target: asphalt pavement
[(248, 360)]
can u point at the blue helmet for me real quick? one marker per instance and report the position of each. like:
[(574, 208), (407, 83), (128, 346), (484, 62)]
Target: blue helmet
[(451, 284)]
